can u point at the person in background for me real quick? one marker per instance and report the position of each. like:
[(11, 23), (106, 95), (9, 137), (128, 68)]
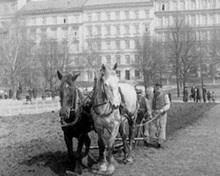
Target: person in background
[(209, 96), (193, 93), (213, 97), (160, 106), (204, 92), (170, 96), (198, 95), (185, 95)]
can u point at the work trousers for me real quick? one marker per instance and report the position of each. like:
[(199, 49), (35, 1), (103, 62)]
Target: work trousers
[(157, 128)]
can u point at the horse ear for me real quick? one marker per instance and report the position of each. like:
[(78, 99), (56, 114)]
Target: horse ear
[(59, 75), (75, 77), (115, 66)]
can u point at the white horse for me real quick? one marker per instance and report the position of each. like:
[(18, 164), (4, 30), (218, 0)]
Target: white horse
[(107, 98)]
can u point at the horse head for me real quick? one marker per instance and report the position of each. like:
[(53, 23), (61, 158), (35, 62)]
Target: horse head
[(69, 99), (108, 82)]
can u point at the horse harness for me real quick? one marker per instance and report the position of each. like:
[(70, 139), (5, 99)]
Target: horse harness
[(73, 108), (112, 107)]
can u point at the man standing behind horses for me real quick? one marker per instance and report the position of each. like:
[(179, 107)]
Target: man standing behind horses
[(144, 113), (160, 105)]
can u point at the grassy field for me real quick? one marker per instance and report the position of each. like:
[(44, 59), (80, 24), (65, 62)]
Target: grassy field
[(182, 115)]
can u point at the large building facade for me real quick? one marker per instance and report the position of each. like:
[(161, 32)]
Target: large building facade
[(116, 25), (202, 15), (112, 26)]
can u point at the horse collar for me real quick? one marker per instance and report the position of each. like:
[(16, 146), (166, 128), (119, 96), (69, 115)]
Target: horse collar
[(105, 114)]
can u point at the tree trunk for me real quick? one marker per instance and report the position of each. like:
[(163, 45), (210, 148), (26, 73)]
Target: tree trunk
[(213, 80), (184, 81), (177, 78), (214, 71), (161, 75), (14, 88), (146, 80)]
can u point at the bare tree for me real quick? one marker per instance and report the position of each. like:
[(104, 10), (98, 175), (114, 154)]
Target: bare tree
[(17, 53), (214, 48), (52, 56), (90, 56), (160, 61), (149, 60), (181, 49)]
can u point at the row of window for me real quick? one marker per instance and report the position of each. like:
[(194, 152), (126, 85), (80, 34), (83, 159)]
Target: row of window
[(52, 20), (98, 44), (115, 29), (54, 33), (109, 59), (205, 35), (89, 17), (112, 44), (117, 15), (193, 20), (128, 74), (174, 5)]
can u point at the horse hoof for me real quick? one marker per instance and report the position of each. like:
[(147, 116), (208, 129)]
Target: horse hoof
[(103, 167), (78, 169), (110, 170), (70, 173), (129, 160)]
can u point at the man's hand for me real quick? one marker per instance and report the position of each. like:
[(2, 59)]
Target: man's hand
[(160, 111), (146, 119), (148, 116)]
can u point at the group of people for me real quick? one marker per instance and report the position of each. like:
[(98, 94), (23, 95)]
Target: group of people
[(198, 95), (155, 106)]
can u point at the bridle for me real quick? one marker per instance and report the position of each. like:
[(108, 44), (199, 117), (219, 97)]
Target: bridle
[(106, 101), (74, 109)]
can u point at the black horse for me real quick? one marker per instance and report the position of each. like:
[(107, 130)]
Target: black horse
[(76, 120)]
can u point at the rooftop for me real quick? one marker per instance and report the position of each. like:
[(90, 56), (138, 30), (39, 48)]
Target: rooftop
[(44, 6), (108, 2), (57, 5)]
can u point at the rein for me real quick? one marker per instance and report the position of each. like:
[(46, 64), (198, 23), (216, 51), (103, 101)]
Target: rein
[(74, 109)]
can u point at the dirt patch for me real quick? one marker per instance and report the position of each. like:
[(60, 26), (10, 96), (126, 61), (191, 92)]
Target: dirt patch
[(33, 145)]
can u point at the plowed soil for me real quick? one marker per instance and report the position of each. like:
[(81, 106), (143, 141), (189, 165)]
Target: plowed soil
[(33, 145)]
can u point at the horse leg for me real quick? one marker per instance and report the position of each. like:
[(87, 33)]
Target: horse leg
[(110, 145), (131, 139), (124, 139), (84, 139), (102, 164), (78, 155), (69, 145), (87, 143)]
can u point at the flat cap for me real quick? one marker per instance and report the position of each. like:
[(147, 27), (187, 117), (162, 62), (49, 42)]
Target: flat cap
[(139, 91), (158, 84)]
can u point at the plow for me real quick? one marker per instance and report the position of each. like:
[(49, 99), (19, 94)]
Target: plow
[(139, 131)]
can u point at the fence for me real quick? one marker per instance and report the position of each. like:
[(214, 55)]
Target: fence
[(15, 107)]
